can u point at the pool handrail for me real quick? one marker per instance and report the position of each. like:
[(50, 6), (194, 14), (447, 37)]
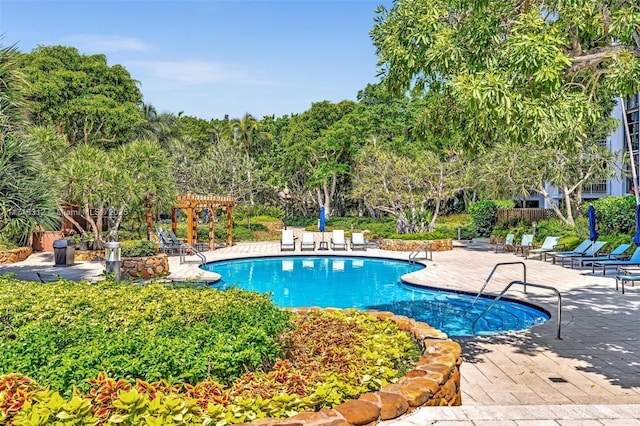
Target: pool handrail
[(428, 252), (546, 287), (524, 277), (187, 249)]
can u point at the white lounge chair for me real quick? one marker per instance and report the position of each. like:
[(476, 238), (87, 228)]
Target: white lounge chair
[(287, 242), (357, 241), (337, 240), (308, 241)]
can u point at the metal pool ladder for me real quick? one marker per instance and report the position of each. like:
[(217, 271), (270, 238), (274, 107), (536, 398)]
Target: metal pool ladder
[(188, 249), (546, 287), (426, 247), (524, 277)]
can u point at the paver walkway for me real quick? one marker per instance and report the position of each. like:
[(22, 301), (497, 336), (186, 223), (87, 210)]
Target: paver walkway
[(590, 377)]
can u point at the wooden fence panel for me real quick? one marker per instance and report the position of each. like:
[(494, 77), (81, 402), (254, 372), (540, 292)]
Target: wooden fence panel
[(528, 215)]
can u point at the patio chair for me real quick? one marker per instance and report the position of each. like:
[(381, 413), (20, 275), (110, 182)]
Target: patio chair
[(633, 261), (548, 245), (507, 243), (165, 245), (526, 242), (580, 250), (308, 241), (357, 241), (46, 277), (287, 242), (616, 254), (625, 276), (337, 240), (592, 251)]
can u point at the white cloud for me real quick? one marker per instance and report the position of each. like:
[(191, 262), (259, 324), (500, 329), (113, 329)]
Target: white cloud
[(105, 43), (191, 72)]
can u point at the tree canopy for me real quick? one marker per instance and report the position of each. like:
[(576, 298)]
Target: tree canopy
[(540, 72), (81, 96)]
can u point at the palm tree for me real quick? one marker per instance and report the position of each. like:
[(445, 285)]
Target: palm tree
[(26, 199)]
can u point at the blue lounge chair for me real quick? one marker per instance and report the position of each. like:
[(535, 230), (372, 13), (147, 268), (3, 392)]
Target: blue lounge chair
[(626, 277), (548, 245), (615, 254), (580, 250), (591, 251), (633, 261)]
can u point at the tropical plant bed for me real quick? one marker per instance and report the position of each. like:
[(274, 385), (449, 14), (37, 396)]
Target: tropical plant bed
[(128, 354)]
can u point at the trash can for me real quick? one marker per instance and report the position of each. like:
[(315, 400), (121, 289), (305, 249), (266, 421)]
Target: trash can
[(63, 252)]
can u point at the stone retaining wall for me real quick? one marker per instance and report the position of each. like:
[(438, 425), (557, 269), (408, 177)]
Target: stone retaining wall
[(435, 381), (88, 255), (411, 245), (15, 255), (145, 267)]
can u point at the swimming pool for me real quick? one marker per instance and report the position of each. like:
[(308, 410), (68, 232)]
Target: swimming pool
[(371, 283)]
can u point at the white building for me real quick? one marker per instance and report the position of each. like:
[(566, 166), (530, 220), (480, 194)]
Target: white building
[(616, 142)]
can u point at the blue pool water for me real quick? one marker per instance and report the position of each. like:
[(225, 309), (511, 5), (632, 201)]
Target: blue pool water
[(370, 283)]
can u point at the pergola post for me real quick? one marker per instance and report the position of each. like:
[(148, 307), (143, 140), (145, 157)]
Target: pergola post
[(174, 219), (212, 232), (229, 227)]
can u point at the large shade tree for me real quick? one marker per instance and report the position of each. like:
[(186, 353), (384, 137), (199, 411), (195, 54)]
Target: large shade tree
[(538, 72), (81, 96)]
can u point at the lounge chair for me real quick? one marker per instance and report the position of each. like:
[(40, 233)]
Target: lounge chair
[(625, 276), (633, 261), (308, 241), (615, 254), (548, 245), (580, 250), (165, 245), (287, 242), (592, 251), (357, 241), (526, 243), (337, 240), (507, 243)]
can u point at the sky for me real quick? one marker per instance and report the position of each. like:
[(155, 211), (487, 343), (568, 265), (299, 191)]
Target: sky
[(212, 58)]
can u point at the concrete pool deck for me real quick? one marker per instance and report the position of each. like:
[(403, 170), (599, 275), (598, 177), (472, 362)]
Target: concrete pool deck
[(590, 377)]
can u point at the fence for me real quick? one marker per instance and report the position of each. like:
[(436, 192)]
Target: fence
[(527, 215)]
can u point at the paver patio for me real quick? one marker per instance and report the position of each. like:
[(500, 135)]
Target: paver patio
[(591, 376)]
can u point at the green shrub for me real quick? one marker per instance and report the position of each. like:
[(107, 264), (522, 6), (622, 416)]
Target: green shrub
[(615, 215), (149, 332), (483, 214), (6, 244), (137, 248)]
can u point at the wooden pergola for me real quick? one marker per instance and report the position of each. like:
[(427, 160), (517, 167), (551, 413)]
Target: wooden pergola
[(193, 204)]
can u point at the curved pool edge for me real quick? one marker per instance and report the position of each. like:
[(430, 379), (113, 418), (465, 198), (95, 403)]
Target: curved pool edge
[(412, 279)]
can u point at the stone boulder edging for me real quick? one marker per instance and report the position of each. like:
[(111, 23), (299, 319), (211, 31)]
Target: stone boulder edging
[(435, 381), (15, 255), (146, 267), (411, 245)]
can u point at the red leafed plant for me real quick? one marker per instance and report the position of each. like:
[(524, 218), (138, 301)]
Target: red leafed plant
[(15, 390)]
